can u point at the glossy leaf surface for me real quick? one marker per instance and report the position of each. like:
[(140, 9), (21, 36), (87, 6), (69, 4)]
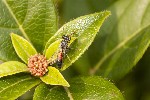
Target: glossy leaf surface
[(12, 67), (11, 87), (81, 88), (54, 48), (22, 47), (34, 20), (54, 77), (84, 29), (46, 92)]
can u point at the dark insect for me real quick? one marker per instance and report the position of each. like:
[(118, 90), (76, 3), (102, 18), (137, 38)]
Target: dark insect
[(63, 50), (59, 60)]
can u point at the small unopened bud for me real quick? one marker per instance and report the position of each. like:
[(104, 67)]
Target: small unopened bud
[(37, 65)]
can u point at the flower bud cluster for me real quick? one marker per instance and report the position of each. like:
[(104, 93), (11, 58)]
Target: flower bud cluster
[(37, 65)]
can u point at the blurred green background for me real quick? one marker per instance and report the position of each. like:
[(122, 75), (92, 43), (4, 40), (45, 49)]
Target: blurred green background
[(136, 84)]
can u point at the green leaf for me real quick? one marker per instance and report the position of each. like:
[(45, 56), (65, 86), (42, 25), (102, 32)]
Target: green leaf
[(36, 21), (11, 87), (124, 39), (54, 77), (52, 50), (12, 67), (46, 92), (94, 87), (82, 88), (22, 47), (128, 54), (85, 29)]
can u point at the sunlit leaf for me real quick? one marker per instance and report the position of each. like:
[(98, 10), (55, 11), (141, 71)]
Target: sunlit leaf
[(22, 47), (85, 29), (53, 49), (12, 67), (54, 77)]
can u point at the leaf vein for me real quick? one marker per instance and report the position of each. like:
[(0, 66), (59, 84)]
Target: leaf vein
[(15, 84), (22, 48), (20, 26), (69, 93), (116, 48), (50, 91)]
